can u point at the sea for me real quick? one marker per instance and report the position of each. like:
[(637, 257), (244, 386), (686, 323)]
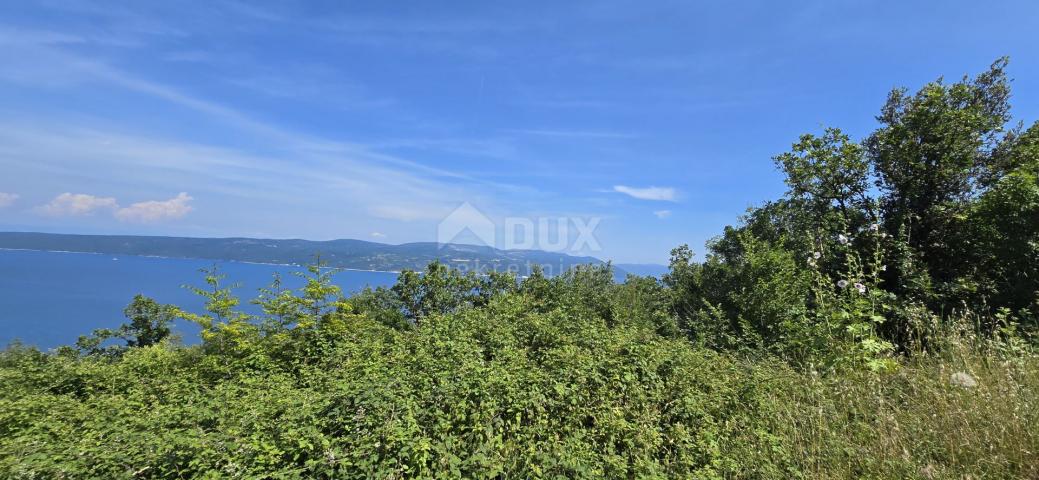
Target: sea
[(49, 299)]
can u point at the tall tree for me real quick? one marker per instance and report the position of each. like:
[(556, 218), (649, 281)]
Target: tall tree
[(930, 153), (829, 175)]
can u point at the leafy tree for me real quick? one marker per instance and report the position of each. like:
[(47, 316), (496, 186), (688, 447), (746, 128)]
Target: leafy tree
[(440, 289), (538, 288), (383, 305), (149, 322), (930, 154), (1004, 232), (683, 282), (149, 325), (643, 302), (829, 176)]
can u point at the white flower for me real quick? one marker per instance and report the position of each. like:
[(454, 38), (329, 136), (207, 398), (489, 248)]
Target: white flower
[(843, 239), (874, 228), (860, 287), (963, 379), (842, 283), (816, 255), (883, 268)]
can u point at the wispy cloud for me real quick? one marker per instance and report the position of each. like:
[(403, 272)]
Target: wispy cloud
[(233, 154), (647, 193), (409, 212), (303, 82), (7, 199), (75, 204), (274, 181), (662, 214), (373, 180), (572, 133), (474, 147), (378, 235), (156, 210)]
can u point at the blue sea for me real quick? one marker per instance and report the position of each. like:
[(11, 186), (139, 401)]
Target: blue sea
[(49, 299)]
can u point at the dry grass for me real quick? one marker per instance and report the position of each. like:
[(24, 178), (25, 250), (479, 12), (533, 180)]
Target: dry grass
[(915, 423)]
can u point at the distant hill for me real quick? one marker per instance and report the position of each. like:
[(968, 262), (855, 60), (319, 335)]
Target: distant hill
[(356, 254), (643, 269)]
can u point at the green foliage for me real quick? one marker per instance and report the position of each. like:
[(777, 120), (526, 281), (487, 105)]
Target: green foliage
[(223, 328), (149, 324), (536, 381), (950, 231), (829, 176), (931, 155), (1003, 235), (437, 290), (642, 302)]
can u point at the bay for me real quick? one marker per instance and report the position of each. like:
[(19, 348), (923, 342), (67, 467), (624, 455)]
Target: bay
[(48, 299)]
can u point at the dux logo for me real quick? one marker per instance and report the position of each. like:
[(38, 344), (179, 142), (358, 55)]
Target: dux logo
[(467, 224)]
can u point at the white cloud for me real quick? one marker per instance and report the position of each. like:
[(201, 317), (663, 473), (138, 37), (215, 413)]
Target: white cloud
[(155, 210), (662, 214), (648, 193), (74, 204), (6, 199), (378, 235), (77, 204)]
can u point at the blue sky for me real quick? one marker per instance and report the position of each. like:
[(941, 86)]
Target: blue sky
[(374, 120)]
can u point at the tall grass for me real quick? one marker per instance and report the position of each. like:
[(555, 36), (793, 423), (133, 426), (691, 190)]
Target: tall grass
[(914, 423)]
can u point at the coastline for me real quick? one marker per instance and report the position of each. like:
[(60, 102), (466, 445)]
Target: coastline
[(194, 258)]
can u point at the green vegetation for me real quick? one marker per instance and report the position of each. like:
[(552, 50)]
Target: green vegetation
[(345, 253), (878, 321)]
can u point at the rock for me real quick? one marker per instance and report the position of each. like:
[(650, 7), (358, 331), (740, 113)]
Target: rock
[(963, 379)]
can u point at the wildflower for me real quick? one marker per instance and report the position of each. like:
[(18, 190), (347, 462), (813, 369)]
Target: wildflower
[(842, 283), (963, 379), (883, 268), (874, 228), (843, 239), (816, 255), (860, 287)]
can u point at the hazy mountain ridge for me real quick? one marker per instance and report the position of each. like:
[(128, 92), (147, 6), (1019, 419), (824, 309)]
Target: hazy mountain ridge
[(343, 253), (642, 269)]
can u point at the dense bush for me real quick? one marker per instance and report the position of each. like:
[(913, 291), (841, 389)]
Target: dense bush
[(533, 383)]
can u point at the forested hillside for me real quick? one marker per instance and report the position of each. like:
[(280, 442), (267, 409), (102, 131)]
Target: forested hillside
[(343, 253), (877, 321)]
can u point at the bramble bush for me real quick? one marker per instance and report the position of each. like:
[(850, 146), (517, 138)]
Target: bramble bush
[(530, 384)]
